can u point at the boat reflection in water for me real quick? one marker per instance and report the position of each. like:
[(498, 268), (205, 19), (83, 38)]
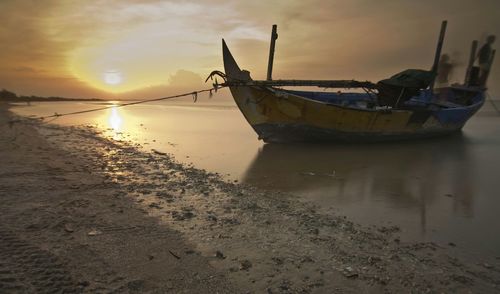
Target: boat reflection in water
[(427, 187)]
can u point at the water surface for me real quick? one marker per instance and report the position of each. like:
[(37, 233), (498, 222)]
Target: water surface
[(442, 190)]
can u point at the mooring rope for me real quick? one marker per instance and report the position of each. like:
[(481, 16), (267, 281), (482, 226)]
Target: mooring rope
[(214, 88), (57, 115)]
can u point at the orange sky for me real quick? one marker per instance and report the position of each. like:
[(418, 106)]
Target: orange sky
[(141, 49)]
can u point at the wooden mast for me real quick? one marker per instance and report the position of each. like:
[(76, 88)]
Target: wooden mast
[(438, 51), (274, 36), (472, 58)]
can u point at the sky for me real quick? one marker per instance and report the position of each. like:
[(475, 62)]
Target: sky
[(131, 49)]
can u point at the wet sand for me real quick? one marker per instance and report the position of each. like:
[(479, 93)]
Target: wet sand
[(440, 190), (86, 213), (65, 228)]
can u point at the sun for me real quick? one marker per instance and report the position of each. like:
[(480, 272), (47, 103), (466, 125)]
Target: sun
[(113, 77)]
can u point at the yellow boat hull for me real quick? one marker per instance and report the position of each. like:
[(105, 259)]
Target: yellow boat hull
[(280, 116)]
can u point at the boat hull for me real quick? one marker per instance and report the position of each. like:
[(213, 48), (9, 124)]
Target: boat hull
[(284, 117)]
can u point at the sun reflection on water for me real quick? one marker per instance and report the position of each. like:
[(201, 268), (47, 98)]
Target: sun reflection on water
[(119, 124), (115, 120)]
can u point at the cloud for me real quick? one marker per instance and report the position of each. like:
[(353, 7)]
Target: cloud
[(51, 86), (28, 70), (185, 78), (148, 41), (182, 81), (22, 40)]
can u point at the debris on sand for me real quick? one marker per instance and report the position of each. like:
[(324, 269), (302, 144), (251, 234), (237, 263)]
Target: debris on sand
[(69, 228), (94, 232), (245, 265), (349, 272), (219, 254), (158, 152)]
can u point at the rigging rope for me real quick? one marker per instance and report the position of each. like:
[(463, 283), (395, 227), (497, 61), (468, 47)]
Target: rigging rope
[(57, 115)]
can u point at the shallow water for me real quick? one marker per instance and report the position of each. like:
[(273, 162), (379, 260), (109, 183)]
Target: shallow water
[(443, 190)]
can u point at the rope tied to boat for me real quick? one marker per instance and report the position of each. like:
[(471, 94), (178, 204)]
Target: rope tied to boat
[(213, 76), (194, 94), (215, 86)]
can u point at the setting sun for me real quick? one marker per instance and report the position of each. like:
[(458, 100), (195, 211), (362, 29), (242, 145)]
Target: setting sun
[(112, 77)]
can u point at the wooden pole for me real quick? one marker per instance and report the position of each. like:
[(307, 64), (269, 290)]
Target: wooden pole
[(492, 58), (274, 36), (301, 83), (472, 58), (438, 50)]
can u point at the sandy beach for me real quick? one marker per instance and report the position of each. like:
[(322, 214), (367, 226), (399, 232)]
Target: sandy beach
[(81, 212)]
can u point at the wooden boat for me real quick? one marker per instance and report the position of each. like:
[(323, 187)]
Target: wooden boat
[(385, 111)]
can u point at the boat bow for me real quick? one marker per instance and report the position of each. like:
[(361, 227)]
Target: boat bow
[(231, 68)]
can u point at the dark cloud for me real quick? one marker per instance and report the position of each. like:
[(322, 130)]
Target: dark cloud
[(369, 39), (22, 41)]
